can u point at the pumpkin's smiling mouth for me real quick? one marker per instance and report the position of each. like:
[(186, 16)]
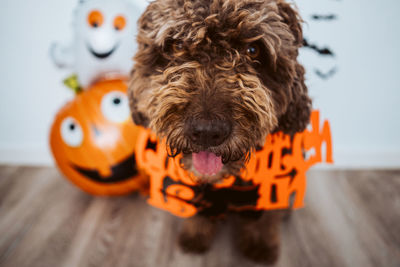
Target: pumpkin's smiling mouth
[(119, 173)]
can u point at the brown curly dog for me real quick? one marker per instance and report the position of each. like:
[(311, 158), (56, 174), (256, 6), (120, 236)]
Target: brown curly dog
[(214, 77)]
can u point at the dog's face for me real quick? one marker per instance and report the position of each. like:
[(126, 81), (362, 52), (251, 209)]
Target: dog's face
[(214, 77)]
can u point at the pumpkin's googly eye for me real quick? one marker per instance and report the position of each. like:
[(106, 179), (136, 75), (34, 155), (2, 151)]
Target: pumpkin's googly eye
[(115, 106), (71, 132)]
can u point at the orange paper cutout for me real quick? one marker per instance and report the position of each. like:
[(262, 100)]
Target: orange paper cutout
[(278, 170)]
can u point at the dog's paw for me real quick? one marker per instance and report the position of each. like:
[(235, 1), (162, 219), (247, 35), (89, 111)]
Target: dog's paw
[(286, 215), (198, 243), (197, 234), (257, 249)]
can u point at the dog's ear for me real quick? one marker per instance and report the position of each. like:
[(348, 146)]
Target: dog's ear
[(297, 115), (292, 19), (145, 59), (138, 116)]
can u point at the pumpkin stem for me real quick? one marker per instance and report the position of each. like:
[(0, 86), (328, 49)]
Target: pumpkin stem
[(72, 83)]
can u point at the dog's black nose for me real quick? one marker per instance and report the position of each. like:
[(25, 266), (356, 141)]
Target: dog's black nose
[(208, 133)]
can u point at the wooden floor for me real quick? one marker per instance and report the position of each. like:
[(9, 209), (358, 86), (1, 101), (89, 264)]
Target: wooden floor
[(352, 218)]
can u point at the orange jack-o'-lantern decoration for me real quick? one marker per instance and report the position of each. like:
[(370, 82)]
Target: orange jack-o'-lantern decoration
[(93, 141)]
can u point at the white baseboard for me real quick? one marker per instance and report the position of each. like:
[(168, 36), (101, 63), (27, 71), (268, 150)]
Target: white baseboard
[(363, 159), (343, 159)]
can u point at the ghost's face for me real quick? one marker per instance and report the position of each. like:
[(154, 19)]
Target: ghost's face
[(105, 34)]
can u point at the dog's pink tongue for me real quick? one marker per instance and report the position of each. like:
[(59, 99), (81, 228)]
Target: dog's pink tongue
[(207, 163)]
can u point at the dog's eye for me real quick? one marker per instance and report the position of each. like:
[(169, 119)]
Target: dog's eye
[(253, 50), (178, 46)]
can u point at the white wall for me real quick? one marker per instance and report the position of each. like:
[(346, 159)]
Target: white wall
[(361, 100)]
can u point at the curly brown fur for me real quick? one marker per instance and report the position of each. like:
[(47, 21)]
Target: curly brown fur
[(213, 75), (193, 64)]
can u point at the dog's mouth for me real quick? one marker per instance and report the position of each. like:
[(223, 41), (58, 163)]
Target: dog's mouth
[(102, 55), (207, 163)]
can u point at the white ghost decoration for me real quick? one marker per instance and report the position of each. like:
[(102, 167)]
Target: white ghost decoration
[(104, 40)]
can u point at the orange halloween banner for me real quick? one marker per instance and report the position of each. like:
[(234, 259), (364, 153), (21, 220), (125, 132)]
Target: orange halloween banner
[(270, 178)]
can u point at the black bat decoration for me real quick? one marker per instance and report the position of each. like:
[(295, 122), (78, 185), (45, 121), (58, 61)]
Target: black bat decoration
[(322, 51), (324, 17), (327, 75)]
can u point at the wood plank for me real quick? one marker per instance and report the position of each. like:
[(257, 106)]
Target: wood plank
[(43, 221), (351, 218)]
